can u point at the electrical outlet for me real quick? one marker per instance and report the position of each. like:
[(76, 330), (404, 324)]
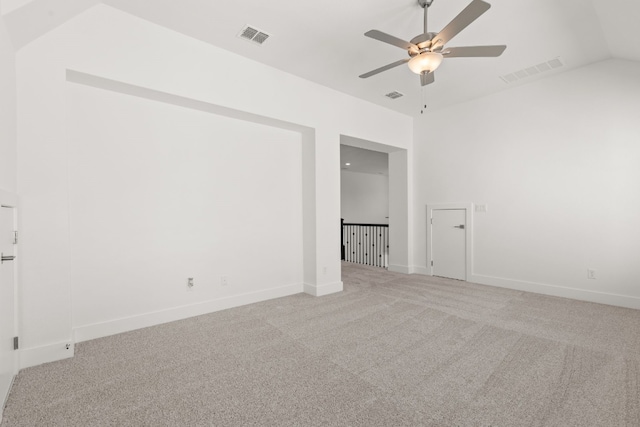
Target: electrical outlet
[(224, 280), (190, 284), (591, 274)]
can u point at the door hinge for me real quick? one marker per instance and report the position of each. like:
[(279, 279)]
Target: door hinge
[(4, 258), (15, 343), (431, 220), (15, 237), (431, 263)]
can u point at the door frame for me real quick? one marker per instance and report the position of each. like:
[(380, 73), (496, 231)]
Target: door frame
[(10, 200), (468, 208), (400, 202)]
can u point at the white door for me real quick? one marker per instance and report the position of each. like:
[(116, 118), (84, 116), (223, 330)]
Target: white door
[(7, 319), (448, 243)]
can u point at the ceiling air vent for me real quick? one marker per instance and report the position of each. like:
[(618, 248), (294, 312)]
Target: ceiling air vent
[(252, 34), (532, 71), (394, 95)]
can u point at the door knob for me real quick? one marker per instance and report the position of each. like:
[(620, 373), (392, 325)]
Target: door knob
[(461, 226)]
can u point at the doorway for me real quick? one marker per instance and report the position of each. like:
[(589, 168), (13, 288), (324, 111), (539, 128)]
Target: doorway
[(449, 241), (8, 241), (364, 206), (398, 202)]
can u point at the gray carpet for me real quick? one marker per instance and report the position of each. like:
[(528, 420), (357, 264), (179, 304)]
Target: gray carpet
[(391, 350)]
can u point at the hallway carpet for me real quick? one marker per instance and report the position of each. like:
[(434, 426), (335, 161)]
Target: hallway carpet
[(391, 350)]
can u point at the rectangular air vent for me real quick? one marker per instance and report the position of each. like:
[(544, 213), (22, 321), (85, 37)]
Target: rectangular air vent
[(532, 71), (252, 34), (394, 95)]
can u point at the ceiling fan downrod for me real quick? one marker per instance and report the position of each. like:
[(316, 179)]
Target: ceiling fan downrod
[(425, 4)]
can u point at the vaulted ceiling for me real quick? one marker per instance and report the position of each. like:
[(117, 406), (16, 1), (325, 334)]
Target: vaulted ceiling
[(323, 41)]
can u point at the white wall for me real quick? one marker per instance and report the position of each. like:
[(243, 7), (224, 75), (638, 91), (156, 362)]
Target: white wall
[(56, 220), (556, 163), (364, 197), (7, 112), (401, 212), (7, 6), (160, 193)]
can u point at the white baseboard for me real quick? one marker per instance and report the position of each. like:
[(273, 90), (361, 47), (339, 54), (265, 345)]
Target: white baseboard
[(112, 327), (3, 399), (320, 290), (424, 271), (552, 290), (48, 353), (559, 291), (405, 269)]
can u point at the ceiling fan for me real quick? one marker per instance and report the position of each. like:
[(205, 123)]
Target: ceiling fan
[(426, 51)]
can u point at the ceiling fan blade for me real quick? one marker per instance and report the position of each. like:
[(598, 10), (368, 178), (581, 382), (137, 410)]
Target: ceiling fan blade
[(385, 68), (460, 22), (473, 51), (387, 38), (427, 78)]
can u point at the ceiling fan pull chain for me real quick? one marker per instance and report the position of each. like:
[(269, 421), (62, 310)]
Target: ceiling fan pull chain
[(424, 96), (423, 99)]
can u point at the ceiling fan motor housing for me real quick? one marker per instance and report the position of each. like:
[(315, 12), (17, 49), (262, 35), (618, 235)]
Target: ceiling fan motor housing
[(423, 41)]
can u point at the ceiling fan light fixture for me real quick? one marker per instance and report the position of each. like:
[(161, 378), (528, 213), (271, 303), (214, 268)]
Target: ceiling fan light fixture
[(426, 62)]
